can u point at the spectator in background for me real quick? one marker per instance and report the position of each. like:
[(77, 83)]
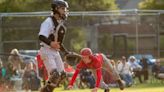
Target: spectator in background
[(113, 64), (144, 64), (2, 76), (125, 71), (16, 61), (30, 80), (158, 70), (2, 71), (136, 68)]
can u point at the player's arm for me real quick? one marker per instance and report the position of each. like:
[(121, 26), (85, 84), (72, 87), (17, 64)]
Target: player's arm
[(62, 48), (79, 67), (50, 43), (45, 31), (44, 39), (99, 76), (74, 77), (98, 66)]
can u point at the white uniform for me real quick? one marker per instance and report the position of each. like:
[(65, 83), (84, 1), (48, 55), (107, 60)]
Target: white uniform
[(51, 57)]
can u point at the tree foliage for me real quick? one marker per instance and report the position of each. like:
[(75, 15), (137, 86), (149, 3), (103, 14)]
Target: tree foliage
[(152, 4), (24, 5), (44, 5), (92, 5)]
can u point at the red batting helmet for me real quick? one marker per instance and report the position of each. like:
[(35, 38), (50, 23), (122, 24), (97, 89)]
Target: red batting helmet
[(86, 52)]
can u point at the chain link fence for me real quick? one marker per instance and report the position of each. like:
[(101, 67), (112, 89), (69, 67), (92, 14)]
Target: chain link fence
[(117, 33)]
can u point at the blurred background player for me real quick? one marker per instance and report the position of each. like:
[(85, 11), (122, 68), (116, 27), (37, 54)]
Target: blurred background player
[(51, 35)]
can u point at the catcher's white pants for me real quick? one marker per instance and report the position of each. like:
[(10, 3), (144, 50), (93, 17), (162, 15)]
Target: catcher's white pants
[(52, 59)]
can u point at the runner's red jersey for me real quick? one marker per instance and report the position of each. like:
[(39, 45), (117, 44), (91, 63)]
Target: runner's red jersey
[(95, 64)]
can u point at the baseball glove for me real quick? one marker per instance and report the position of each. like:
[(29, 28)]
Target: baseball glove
[(72, 58)]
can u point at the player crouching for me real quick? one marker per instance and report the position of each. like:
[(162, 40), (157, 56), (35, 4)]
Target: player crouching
[(96, 62)]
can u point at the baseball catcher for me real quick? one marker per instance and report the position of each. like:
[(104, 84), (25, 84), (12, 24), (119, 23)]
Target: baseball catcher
[(51, 35)]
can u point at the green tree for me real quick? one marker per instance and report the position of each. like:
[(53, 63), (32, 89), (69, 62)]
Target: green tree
[(44, 5), (152, 4), (24, 5), (92, 5)]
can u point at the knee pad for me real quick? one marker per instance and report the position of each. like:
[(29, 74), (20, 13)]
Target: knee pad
[(54, 76), (47, 88), (63, 75)]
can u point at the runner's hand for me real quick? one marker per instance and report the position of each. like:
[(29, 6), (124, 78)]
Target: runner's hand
[(70, 87)]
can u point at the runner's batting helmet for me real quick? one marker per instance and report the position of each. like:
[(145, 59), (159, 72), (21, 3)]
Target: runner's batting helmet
[(86, 52)]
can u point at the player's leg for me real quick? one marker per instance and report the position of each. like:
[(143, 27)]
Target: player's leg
[(60, 67), (48, 58), (111, 69), (52, 82), (103, 85)]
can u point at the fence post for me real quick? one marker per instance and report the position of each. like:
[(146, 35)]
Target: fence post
[(1, 42)]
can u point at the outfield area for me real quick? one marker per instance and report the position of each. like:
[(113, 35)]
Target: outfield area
[(158, 86), (152, 85)]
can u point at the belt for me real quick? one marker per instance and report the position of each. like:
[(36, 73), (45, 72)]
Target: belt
[(45, 46)]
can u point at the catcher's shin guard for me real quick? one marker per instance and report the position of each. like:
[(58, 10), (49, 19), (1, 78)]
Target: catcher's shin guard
[(54, 81), (54, 77), (107, 90), (62, 78), (63, 75), (47, 88)]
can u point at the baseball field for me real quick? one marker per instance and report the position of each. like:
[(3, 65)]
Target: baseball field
[(151, 86)]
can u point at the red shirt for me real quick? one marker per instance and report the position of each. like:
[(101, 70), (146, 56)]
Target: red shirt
[(96, 64)]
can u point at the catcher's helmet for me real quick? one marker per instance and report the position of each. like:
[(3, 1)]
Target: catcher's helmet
[(59, 3), (86, 52), (56, 4)]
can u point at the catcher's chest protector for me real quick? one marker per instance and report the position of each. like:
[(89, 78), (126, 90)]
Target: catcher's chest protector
[(59, 31)]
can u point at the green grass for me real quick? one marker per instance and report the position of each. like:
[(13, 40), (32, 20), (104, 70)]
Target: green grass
[(157, 86)]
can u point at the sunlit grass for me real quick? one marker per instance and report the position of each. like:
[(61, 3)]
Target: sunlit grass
[(151, 89), (145, 87)]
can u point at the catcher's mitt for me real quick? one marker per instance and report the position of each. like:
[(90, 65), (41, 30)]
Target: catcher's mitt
[(72, 58)]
